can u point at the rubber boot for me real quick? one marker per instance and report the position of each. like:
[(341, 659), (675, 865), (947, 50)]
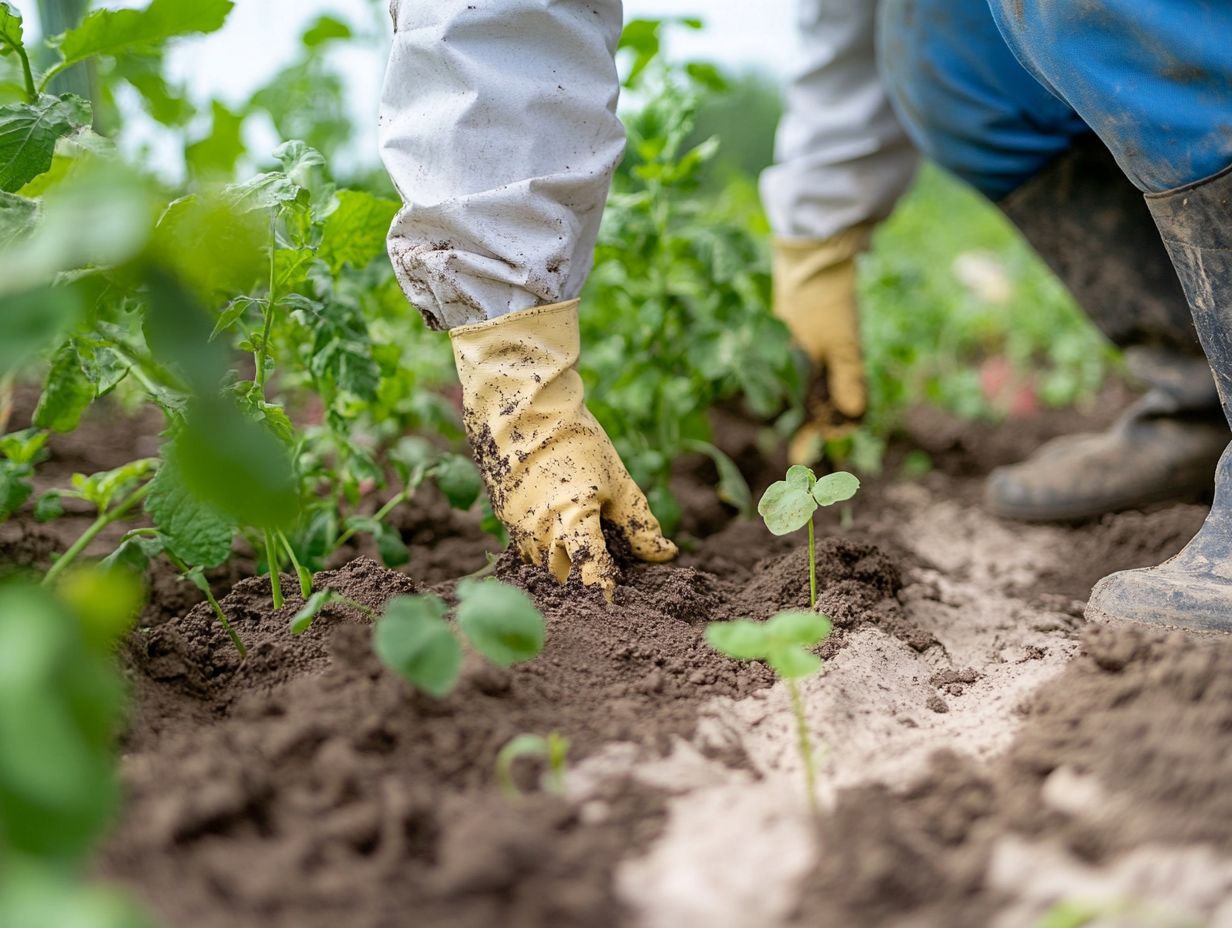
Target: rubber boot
[(1194, 589), (1092, 228)]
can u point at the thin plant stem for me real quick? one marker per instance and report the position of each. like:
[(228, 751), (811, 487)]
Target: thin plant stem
[(32, 93), (379, 516), (812, 555), (354, 604), (104, 519), (271, 305), (805, 744), (204, 586), (273, 562), (304, 576)]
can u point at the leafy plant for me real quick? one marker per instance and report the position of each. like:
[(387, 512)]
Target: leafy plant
[(783, 643), (499, 621), (61, 705), (554, 750), (788, 505)]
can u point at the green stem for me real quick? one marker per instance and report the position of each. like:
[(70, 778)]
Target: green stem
[(812, 554), (272, 560), (304, 576), (214, 604), (104, 519), (271, 304), (354, 604), (32, 93), (805, 745), (379, 516)]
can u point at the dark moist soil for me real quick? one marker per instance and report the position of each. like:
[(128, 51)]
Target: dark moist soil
[(307, 786)]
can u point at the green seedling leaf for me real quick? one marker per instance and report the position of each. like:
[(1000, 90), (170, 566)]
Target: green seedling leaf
[(194, 531), (742, 639), (49, 507), (389, 544), (835, 488), (787, 505), (214, 156), (791, 663), (554, 749), (135, 552), (500, 621), (325, 29), (798, 628), (113, 32), (413, 640), (24, 447), (303, 619), (14, 489), (458, 479), (67, 392), (29, 132)]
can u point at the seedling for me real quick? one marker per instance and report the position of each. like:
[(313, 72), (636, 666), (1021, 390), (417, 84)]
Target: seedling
[(554, 749), (783, 643), (413, 639), (789, 505)]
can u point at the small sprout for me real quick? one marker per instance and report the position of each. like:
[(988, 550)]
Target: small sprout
[(413, 639), (789, 505), (554, 749), (303, 619), (783, 643)]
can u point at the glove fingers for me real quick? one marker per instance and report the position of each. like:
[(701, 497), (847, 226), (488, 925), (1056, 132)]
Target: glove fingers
[(631, 514), (845, 377), (581, 546)]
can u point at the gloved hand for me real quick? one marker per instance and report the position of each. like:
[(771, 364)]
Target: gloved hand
[(815, 296), (550, 469)]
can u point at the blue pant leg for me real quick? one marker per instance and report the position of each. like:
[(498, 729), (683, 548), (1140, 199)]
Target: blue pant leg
[(964, 98), (1152, 77)]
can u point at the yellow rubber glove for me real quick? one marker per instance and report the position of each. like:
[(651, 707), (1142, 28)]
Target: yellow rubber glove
[(815, 296), (550, 469)]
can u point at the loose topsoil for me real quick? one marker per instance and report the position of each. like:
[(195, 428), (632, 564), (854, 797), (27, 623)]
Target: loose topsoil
[(985, 754)]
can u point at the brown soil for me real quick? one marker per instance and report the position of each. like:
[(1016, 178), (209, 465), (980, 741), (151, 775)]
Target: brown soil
[(307, 786)]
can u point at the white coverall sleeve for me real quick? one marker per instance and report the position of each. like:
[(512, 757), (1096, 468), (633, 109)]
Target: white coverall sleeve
[(498, 126), (841, 156)]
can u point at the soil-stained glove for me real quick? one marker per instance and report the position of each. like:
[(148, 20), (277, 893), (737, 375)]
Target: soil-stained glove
[(550, 469), (815, 296)]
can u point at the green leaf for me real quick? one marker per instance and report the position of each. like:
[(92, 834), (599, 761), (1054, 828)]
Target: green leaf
[(66, 393), (500, 621), (458, 479), (800, 627), (325, 29), (742, 639), (17, 216), (786, 506), (194, 531), (355, 232), (49, 507), (835, 488), (135, 553), (113, 32), (231, 314), (390, 546), (800, 477), (11, 37), (29, 132), (413, 640), (14, 490), (215, 155), (302, 620), (792, 663)]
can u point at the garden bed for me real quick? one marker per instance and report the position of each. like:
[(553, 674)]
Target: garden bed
[(984, 754)]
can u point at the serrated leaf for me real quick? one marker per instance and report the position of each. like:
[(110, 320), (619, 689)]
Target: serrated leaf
[(29, 132), (67, 392), (355, 232), (792, 663), (786, 507), (458, 479), (500, 621), (11, 37), (194, 531), (742, 639), (112, 32), (835, 488), (798, 627), (413, 640)]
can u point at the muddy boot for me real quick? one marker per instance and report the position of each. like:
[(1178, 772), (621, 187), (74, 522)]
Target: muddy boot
[(1194, 589), (1163, 447), (1091, 227)]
